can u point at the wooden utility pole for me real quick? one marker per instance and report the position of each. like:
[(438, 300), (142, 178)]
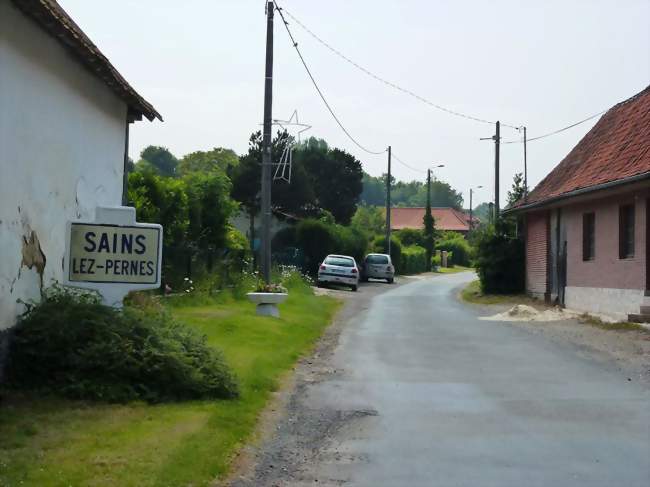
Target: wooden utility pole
[(525, 169), (471, 221), (388, 178), (428, 225), (497, 143), (267, 160)]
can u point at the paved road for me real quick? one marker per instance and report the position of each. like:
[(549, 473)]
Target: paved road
[(463, 402)]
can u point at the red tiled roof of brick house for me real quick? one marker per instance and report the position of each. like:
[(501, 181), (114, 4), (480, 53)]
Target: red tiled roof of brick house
[(587, 224), (445, 219), (616, 150)]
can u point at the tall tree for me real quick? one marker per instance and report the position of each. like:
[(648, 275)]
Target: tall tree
[(336, 177), (161, 159), (518, 190), (429, 226)]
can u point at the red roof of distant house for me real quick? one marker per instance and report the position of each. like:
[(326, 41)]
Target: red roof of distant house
[(615, 149), (445, 218)]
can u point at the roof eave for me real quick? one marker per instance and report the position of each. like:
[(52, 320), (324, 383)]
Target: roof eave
[(578, 192)]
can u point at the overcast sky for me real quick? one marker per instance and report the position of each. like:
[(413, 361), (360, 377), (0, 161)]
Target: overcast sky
[(540, 64)]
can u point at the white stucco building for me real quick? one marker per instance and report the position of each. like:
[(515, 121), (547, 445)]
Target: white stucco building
[(64, 119)]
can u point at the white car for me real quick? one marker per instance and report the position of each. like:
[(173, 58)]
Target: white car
[(339, 269), (378, 266)]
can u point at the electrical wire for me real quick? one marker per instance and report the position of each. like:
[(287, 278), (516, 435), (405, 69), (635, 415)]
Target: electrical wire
[(555, 131), (393, 156), (320, 93), (389, 83)]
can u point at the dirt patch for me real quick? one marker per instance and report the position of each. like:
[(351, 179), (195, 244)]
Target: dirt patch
[(523, 312)]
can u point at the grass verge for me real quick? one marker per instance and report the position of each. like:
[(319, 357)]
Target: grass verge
[(472, 294), (53, 442), (453, 270), (591, 320)]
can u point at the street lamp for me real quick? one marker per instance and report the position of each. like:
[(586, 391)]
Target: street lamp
[(471, 220)]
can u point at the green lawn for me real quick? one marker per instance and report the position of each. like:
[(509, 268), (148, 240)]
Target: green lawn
[(53, 442), (472, 294)]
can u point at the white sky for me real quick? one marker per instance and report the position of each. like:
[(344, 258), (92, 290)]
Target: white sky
[(543, 64)]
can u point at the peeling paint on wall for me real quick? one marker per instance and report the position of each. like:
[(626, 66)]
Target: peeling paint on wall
[(33, 256)]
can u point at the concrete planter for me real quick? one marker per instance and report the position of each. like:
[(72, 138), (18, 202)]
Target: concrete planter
[(267, 303)]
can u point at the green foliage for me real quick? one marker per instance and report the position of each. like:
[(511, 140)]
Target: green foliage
[(71, 345), (317, 239), (500, 261), (370, 220), (379, 246), (160, 159), (462, 252), (210, 208), (335, 177), (409, 194), (413, 260), (293, 197), (410, 236), (217, 159), (161, 200)]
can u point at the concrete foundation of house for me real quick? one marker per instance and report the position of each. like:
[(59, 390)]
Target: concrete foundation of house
[(618, 303)]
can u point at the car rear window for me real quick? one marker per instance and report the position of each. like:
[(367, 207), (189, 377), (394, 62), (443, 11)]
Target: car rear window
[(340, 261), (377, 259)]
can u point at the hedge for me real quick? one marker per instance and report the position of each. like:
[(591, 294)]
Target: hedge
[(414, 260)]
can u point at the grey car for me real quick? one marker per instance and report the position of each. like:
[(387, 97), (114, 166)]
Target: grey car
[(378, 266)]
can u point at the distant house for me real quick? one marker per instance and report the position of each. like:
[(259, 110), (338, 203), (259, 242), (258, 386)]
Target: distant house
[(448, 219), (587, 222), (64, 119)]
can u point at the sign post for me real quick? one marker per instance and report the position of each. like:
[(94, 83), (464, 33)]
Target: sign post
[(113, 254)]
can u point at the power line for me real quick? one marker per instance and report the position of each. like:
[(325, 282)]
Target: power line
[(556, 131), (407, 165), (389, 83), (320, 93)]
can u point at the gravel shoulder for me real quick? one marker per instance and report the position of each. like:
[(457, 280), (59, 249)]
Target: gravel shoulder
[(627, 350)]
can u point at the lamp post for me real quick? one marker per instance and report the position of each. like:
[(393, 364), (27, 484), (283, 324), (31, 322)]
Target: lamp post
[(471, 219)]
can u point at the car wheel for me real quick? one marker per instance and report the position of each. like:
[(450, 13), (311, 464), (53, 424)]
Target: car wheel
[(390, 281), (354, 288), (320, 284)]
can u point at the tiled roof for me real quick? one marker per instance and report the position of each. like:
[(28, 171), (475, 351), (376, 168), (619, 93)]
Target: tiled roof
[(616, 148), (51, 17), (445, 218)]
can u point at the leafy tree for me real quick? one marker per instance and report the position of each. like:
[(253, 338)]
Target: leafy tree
[(518, 190), (373, 192), (409, 194), (160, 200), (335, 175), (369, 219), (210, 208), (209, 161), (482, 212), (161, 159), (247, 179)]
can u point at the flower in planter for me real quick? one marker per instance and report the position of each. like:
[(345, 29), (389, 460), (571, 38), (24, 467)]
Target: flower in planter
[(270, 288)]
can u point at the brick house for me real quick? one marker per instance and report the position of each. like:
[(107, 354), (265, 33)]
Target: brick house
[(448, 219), (587, 222)]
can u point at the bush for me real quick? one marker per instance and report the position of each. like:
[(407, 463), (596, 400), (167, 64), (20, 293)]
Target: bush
[(71, 345), (410, 236), (379, 246), (414, 260), (318, 239), (500, 262), (455, 243)]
